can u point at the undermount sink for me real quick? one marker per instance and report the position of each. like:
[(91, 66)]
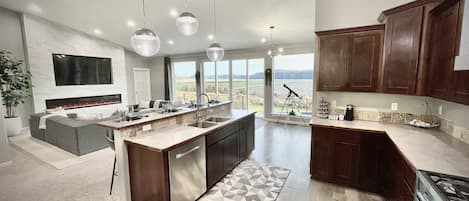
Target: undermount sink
[(202, 124), (217, 119)]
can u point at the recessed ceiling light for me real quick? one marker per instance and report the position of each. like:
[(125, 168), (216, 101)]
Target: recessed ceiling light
[(280, 49), (171, 42), (210, 37), (263, 40), (34, 8), (130, 23), (173, 12), (98, 32)]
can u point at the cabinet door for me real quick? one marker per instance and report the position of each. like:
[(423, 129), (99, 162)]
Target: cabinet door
[(333, 62), (320, 159), (250, 136), (243, 152), (459, 91), (402, 45), (345, 162), (364, 61), (442, 52), (230, 152), (370, 174), (215, 162)]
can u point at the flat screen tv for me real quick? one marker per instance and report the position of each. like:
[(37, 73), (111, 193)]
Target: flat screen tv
[(81, 70)]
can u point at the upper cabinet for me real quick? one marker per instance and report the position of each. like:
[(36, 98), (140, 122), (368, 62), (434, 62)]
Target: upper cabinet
[(442, 80), (413, 52), (402, 45), (349, 59)]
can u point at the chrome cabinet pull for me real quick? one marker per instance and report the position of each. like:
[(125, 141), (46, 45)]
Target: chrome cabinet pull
[(187, 152)]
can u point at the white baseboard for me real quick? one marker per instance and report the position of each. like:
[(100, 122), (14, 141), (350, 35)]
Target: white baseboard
[(4, 164)]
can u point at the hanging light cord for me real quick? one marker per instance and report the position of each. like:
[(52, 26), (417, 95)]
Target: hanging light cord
[(187, 5), (271, 37), (215, 19), (144, 14)]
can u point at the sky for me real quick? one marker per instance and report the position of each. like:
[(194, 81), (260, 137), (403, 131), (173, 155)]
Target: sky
[(286, 62)]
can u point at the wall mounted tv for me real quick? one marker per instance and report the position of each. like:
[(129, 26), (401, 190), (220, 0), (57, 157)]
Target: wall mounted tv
[(81, 70)]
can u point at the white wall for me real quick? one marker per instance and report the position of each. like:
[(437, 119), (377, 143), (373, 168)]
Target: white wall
[(157, 78), (4, 150), (43, 38), (12, 40)]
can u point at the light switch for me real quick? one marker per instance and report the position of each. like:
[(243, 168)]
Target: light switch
[(394, 106)]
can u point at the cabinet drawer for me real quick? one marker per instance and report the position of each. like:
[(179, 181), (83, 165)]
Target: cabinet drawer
[(222, 133)]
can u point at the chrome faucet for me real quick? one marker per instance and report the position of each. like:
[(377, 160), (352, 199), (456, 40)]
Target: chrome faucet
[(197, 116)]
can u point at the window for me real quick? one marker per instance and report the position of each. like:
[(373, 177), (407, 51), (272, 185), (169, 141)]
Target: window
[(256, 85), (296, 72), (209, 79), (239, 82), (223, 79), (185, 87)]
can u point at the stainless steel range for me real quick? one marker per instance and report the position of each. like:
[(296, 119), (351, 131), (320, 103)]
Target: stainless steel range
[(433, 186)]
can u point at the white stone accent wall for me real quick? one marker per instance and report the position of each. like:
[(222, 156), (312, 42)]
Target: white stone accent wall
[(43, 38)]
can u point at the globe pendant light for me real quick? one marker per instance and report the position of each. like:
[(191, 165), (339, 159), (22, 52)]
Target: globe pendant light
[(187, 23), (145, 41), (214, 51)]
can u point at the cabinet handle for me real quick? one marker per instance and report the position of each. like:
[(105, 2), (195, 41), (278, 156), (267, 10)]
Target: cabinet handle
[(178, 156)]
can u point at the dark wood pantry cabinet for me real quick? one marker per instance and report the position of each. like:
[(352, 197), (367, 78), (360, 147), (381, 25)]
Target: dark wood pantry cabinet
[(350, 58)]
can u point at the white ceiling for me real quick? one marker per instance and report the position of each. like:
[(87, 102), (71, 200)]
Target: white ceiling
[(240, 23)]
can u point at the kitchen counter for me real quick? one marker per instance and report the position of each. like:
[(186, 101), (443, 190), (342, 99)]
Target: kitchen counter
[(426, 149), (153, 116), (167, 138)]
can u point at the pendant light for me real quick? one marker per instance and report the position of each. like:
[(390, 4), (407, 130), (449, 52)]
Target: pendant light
[(145, 41), (214, 51), (271, 52), (187, 23)]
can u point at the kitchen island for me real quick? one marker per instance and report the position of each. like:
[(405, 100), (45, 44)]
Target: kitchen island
[(169, 157)]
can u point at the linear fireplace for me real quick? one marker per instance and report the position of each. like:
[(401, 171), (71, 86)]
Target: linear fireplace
[(81, 102)]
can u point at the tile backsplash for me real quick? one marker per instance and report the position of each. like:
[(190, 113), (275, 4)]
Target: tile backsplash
[(367, 114)]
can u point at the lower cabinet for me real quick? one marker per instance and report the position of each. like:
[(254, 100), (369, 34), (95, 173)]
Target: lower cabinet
[(365, 160), (226, 150)]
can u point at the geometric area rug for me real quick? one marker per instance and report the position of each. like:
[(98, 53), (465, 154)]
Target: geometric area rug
[(250, 181)]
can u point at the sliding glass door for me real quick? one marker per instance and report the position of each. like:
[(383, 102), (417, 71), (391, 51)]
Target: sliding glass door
[(256, 86), (239, 82)]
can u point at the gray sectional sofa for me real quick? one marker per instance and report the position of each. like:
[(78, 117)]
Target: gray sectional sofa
[(75, 136)]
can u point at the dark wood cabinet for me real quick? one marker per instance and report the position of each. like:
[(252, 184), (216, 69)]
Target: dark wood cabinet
[(227, 146), (146, 184), (333, 63), (442, 81), (349, 59), (401, 48), (367, 160), (370, 173)]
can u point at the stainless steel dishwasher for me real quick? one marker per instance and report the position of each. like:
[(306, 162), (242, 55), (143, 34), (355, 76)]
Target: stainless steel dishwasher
[(187, 171)]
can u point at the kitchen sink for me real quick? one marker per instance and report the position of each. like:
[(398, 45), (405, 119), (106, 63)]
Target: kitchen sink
[(217, 119), (202, 124)]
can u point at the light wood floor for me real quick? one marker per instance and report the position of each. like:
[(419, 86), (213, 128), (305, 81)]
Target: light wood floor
[(30, 179)]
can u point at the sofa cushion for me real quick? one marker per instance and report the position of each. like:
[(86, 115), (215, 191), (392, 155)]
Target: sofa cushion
[(87, 117)]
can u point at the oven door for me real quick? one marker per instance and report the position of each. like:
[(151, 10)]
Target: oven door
[(425, 191)]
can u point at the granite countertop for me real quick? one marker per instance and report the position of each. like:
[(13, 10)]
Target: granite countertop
[(426, 149), (153, 116), (167, 138)]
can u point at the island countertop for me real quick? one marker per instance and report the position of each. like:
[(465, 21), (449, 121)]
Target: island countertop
[(426, 149), (153, 116), (167, 138)]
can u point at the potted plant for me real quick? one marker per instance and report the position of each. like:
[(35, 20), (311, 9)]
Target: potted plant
[(15, 87)]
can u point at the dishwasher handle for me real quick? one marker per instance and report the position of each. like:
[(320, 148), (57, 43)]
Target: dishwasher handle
[(178, 156)]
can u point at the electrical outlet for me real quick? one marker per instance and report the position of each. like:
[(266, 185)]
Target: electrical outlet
[(394, 106), (146, 127), (334, 103), (440, 109)]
